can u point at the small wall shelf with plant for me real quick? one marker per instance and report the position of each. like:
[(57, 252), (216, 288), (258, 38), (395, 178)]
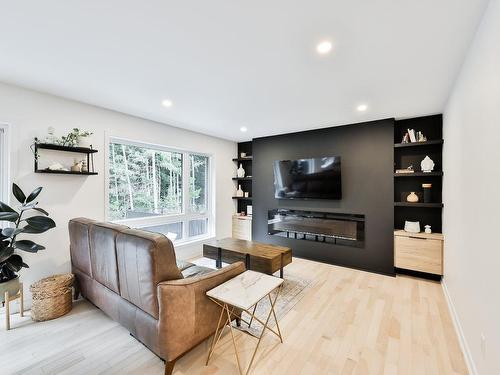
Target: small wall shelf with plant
[(82, 165)]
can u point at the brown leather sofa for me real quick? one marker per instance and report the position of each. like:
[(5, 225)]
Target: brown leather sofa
[(133, 276)]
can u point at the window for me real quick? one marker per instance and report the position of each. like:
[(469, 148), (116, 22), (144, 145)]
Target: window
[(159, 189)]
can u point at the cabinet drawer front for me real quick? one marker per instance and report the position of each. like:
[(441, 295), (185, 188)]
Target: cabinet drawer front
[(418, 254), (242, 229)]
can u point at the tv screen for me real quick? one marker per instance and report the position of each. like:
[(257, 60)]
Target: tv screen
[(317, 178)]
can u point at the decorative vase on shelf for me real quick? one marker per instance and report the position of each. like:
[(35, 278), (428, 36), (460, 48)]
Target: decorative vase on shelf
[(412, 197), (240, 172), (427, 165), (239, 192), (412, 226), (427, 192), (428, 229)]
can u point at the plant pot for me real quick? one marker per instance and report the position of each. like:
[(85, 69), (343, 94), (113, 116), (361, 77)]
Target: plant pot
[(83, 142), (11, 286)]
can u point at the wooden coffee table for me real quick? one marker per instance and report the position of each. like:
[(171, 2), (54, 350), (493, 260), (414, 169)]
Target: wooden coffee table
[(265, 258)]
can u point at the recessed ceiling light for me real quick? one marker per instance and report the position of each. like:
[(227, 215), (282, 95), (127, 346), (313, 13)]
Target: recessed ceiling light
[(166, 103), (324, 47), (362, 107), (243, 129)]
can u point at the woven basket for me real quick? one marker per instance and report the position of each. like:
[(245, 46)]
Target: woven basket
[(52, 297)]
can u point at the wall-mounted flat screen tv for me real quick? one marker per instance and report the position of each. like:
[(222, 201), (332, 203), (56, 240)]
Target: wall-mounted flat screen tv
[(317, 178)]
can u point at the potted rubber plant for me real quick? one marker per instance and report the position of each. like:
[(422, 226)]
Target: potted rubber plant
[(22, 222)]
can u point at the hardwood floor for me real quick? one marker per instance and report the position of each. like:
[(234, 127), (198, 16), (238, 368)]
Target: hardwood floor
[(349, 322)]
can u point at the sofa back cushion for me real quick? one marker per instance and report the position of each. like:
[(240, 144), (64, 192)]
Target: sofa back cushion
[(103, 254), (80, 244), (144, 260)]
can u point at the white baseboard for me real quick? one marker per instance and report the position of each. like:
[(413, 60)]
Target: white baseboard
[(471, 366)]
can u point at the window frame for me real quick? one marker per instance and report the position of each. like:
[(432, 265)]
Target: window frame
[(5, 163), (186, 215)]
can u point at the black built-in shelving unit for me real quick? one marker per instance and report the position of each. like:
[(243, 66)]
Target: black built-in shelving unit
[(245, 182), (406, 154)]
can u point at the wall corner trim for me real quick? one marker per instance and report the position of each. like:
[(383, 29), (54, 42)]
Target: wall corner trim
[(471, 366)]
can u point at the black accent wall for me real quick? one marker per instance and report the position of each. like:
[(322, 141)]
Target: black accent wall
[(367, 156)]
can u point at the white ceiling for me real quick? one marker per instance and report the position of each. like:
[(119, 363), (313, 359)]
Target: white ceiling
[(227, 64)]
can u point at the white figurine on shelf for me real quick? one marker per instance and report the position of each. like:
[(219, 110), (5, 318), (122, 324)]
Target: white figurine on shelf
[(427, 164), (240, 172), (428, 229), (239, 192)]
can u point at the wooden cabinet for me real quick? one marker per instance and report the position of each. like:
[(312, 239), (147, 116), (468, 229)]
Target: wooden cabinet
[(242, 227), (419, 251)]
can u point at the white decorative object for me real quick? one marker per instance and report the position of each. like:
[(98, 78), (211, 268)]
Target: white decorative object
[(428, 229), (57, 167), (239, 192), (243, 155), (240, 172), (77, 166), (249, 210), (412, 226), (50, 138), (85, 167), (427, 164)]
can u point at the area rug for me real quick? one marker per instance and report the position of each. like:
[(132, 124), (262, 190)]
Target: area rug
[(293, 289)]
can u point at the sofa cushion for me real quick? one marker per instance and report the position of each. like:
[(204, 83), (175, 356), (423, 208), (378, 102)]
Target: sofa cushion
[(103, 254), (196, 271), (182, 265), (80, 244), (144, 260)]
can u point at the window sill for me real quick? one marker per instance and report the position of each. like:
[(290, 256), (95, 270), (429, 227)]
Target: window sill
[(196, 241)]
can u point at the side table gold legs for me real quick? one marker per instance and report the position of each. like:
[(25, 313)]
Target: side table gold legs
[(8, 299), (227, 321)]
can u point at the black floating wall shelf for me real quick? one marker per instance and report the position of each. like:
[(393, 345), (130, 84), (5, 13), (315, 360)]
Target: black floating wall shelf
[(88, 151)]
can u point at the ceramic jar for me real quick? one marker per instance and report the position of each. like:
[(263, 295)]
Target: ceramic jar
[(412, 197)]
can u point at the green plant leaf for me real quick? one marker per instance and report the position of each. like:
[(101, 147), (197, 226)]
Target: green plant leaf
[(41, 210), (29, 246), (5, 208), (6, 254), (15, 263), (31, 230), (9, 232), (41, 223), (18, 193), (8, 216), (34, 194), (28, 206)]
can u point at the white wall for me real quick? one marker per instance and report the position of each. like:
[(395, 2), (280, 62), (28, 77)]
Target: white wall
[(472, 196), (30, 113)]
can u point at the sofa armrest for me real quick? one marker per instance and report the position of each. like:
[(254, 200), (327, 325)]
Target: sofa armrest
[(187, 316)]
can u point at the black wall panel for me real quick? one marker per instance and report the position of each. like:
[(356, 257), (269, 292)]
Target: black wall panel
[(367, 188)]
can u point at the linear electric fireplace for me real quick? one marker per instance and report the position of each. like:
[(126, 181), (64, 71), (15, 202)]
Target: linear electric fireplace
[(333, 228)]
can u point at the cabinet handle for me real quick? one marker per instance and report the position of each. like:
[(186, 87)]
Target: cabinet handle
[(417, 238)]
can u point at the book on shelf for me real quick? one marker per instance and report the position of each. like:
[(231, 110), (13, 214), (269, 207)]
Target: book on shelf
[(406, 170), (411, 133)]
